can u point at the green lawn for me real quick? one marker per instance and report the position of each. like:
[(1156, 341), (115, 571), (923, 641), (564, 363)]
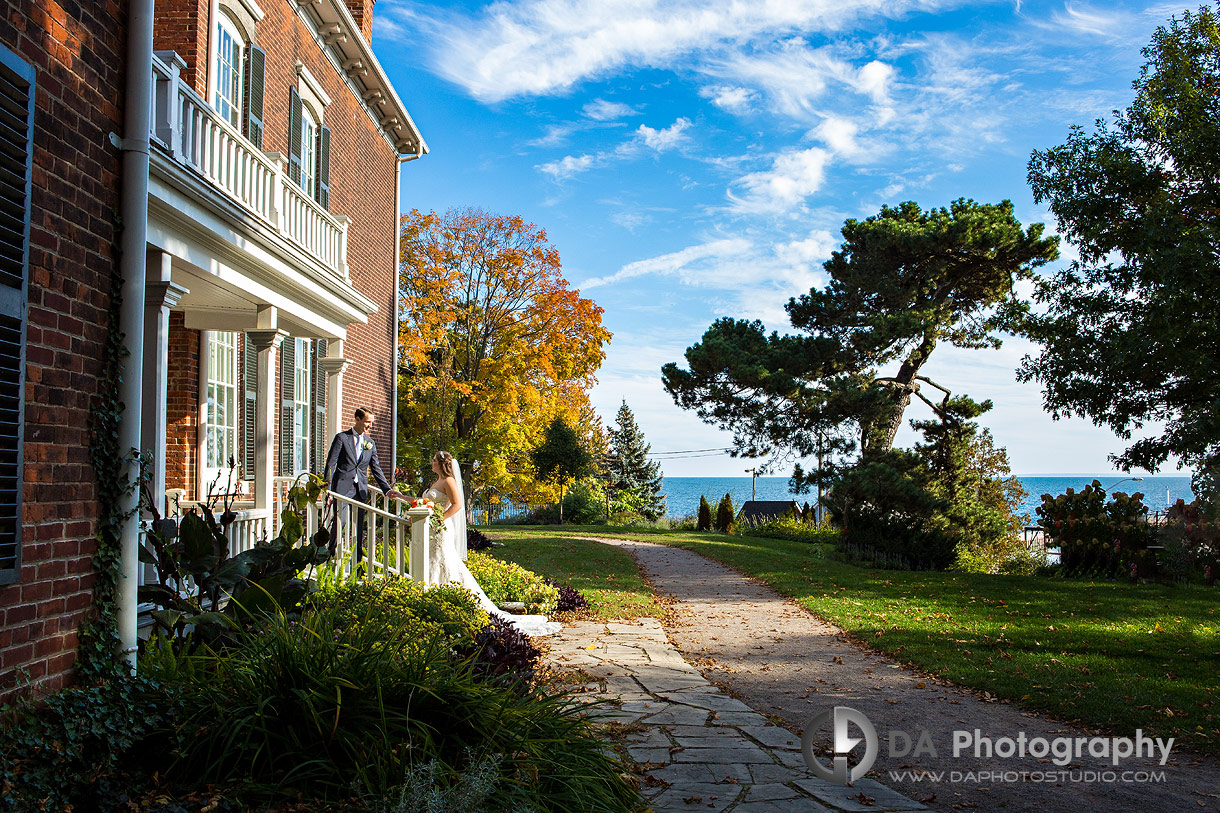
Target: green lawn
[(1114, 656), (605, 575)]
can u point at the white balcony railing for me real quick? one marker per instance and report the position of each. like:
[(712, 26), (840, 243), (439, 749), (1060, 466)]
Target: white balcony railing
[(195, 136)]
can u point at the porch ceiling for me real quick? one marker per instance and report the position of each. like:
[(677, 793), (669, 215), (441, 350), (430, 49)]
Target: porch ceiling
[(215, 304)]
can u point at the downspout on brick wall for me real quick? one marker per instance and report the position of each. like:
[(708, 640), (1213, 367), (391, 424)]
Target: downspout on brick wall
[(133, 207), (402, 159)]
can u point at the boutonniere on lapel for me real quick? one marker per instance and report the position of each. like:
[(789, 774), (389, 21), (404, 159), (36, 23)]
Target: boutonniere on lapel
[(366, 446)]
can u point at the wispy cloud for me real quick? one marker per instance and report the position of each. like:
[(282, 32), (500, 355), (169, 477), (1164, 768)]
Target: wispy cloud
[(547, 46), (602, 110), (689, 262), (642, 140), (1082, 19)]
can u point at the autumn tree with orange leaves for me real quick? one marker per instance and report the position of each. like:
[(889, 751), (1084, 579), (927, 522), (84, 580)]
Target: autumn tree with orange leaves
[(493, 345)]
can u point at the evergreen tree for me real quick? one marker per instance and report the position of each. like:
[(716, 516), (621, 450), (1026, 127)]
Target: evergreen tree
[(630, 470), (561, 458), (705, 515), (725, 514)]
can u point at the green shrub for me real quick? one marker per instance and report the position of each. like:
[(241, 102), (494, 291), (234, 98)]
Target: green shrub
[(725, 514), (789, 527), (326, 709), (584, 504), (1096, 538), (85, 747), (507, 581), (705, 515), (446, 613), (686, 523), (1009, 559), (1191, 544)]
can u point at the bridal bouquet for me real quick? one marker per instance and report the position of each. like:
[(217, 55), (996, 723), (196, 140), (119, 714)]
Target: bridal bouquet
[(438, 516)]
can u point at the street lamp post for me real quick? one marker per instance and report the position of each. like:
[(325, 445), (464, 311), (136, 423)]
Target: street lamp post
[(753, 476), (1120, 482)]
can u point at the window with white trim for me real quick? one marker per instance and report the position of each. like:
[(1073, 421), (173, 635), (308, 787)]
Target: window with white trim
[(230, 53), (220, 406), (301, 407)]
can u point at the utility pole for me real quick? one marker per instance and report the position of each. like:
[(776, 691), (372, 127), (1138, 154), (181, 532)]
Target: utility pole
[(753, 476)]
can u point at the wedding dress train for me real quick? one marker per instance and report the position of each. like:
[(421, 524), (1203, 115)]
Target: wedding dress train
[(445, 565)]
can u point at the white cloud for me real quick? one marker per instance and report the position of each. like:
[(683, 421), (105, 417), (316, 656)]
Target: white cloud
[(644, 138), (814, 249), (794, 175), (568, 166), (689, 262), (839, 134), (732, 99), (547, 46), (602, 110), (1085, 20), (874, 79), (665, 139)]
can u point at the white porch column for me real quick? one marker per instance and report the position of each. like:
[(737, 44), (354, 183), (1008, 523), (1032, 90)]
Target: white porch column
[(334, 364), (266, 343), (161, 295)]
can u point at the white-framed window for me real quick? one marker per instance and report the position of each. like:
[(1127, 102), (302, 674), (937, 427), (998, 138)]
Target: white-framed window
[(220, 405), (309, 150), (301, 407), (230, 54)]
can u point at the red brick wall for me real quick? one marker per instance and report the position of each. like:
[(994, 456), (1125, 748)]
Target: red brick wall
[(183, 26), (182, 409), (362, 13), (78, 54)]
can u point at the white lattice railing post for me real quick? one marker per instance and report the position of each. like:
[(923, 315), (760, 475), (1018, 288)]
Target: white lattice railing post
[(421, 527)]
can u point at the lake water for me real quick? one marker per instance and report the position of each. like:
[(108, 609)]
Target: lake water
[(682, 493)]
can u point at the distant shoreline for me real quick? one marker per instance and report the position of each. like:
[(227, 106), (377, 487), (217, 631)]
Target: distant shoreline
[(1159, 490)]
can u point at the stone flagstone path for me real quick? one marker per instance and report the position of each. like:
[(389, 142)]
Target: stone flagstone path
[(709, 751)]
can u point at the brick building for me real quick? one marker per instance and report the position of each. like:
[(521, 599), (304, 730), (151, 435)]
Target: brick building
[(269, 271)]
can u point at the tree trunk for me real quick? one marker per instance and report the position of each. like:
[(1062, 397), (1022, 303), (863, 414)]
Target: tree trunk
[(881, 439), (561, 503)]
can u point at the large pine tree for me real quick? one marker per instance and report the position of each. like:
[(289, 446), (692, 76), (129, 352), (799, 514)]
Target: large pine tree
[(629, 469)]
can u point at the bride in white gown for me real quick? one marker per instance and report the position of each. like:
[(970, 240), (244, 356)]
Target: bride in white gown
[(446, 556)]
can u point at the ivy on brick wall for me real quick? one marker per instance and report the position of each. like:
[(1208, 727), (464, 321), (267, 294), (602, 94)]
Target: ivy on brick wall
[(99, 635)]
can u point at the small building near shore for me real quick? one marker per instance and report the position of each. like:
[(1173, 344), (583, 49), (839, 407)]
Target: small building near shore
[(756, 512)]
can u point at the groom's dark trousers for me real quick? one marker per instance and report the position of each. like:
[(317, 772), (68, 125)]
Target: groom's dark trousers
[(347, 472)]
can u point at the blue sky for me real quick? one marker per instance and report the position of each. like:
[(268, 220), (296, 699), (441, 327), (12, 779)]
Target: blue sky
[(692, 160)]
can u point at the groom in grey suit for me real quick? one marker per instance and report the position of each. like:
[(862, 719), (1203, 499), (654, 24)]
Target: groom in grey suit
[(352, 456)]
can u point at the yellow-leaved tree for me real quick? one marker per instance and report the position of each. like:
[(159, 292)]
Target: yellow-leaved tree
[(493, 345)]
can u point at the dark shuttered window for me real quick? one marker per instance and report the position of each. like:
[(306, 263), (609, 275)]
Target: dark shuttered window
[(295, 123), (288, 364), (249, 405), (321, 443), (256, 69), (323, 189), (16, 147)]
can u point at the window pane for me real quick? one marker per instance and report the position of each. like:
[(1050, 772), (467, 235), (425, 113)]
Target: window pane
[(230, 49), (220, 414), (309, 150)]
